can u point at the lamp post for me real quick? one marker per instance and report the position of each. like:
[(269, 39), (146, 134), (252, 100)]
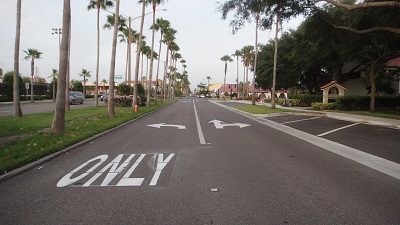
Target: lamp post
[(57, 31)]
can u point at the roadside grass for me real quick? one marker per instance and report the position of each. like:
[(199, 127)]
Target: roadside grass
[(389, 114), (260, 109), (80, 124)]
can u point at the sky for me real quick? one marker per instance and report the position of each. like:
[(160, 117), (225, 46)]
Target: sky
[(203, 38)]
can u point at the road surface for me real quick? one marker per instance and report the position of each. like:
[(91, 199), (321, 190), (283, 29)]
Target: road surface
[(195, 162)]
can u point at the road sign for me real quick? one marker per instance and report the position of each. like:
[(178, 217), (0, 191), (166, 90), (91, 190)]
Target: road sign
[(221, 124)]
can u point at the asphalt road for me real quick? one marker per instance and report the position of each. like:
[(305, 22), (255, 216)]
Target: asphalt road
[(205, 164)]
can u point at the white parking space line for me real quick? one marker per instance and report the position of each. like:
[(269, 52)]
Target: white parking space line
[(294, 121), (199, 130), (341, 128)]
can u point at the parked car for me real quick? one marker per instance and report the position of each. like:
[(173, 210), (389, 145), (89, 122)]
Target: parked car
[(104, 96), (75, 97)]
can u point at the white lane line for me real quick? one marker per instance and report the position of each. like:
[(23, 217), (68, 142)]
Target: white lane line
[(340, 128), (294, 121), (199, 130)]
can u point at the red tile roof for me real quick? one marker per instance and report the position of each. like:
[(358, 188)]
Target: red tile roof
[(330, 84), (394, 62)]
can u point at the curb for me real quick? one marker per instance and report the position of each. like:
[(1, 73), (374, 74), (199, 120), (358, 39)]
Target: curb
[(40, 161)]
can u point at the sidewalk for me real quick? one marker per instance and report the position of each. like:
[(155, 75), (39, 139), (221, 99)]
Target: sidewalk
[(341, 116)]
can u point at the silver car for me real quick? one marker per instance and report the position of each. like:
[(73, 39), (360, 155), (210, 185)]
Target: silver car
[(75, 97)]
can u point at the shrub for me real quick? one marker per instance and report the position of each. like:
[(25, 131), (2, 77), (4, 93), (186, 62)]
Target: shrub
[(322, 106), (306, 100), (363, 102)]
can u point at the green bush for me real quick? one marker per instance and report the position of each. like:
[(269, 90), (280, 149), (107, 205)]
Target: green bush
[(306, 100), (363, 102), (322, 106)]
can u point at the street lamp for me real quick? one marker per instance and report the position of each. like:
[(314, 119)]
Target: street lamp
[(57, 31)]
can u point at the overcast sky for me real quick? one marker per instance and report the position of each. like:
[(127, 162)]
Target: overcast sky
[(202, 37)]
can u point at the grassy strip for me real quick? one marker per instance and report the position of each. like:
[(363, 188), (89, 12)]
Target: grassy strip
[(379, 113), (260, 109), (80, 124)]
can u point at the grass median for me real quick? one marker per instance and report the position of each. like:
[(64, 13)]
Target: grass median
[(26, 139), (260, 109)]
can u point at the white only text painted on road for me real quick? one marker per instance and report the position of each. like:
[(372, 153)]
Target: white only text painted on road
[(79, 177)]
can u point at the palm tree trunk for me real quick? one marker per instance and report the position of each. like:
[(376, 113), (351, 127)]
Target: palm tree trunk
[(151, 58), (226, 68), (158, 69), (59, 115), (96, 91), (67, 105), (275, 62), (165, 73), (138, 55), (16, 101), (111, 109), (129, 57), (32, 72), (253, 101), (237, 77)]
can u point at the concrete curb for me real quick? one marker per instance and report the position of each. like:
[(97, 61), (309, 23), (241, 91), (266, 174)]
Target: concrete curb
[(40, 161)]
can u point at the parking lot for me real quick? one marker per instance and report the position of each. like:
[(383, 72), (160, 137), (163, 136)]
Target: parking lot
[(380, 141)]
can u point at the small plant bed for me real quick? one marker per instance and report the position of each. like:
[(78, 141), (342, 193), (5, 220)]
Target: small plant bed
[(260, 109), (80, 124), (388, 114)]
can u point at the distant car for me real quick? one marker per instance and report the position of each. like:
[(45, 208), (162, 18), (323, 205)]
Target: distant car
[(75, 97), (104, 96), (202, 96)]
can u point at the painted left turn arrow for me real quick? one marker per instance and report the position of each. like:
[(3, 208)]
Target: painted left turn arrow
[(159, 125)]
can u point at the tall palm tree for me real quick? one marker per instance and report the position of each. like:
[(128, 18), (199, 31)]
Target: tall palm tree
[(169, 36), (59, 116), (275, 63), (160, 25), (173, 49), (98, 4), (237, 54), (154, 4), (129, 36), (32, 54), (135, 91), (111, 109), (253, 99), (226, 59), (54, 75), (247, 58), (208, 82), (84, 73), (17, 106)]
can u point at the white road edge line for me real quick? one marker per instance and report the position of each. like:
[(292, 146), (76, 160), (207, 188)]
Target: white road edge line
[(294, 121), (340, 128), (199, 130)]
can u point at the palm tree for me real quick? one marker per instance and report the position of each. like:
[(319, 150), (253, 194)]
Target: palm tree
[(17, 106), (154, 3), (253, 99), (237, 54), (208, 82), (226, 59), (59, 116), (247, 58), (160, 25), (173, 47), (84, 73), (135, 91), (32, 54), (111, 109), (169, 36), (54, 75), (104, 81), (129, 36), (98, 4)]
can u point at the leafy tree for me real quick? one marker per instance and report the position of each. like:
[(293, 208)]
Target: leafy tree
[(59, 116), (98, 4), (32, 54), (8, 81), (17, 112)]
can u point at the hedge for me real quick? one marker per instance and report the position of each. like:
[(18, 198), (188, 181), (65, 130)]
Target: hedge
[(363, 102), (306, 100)]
